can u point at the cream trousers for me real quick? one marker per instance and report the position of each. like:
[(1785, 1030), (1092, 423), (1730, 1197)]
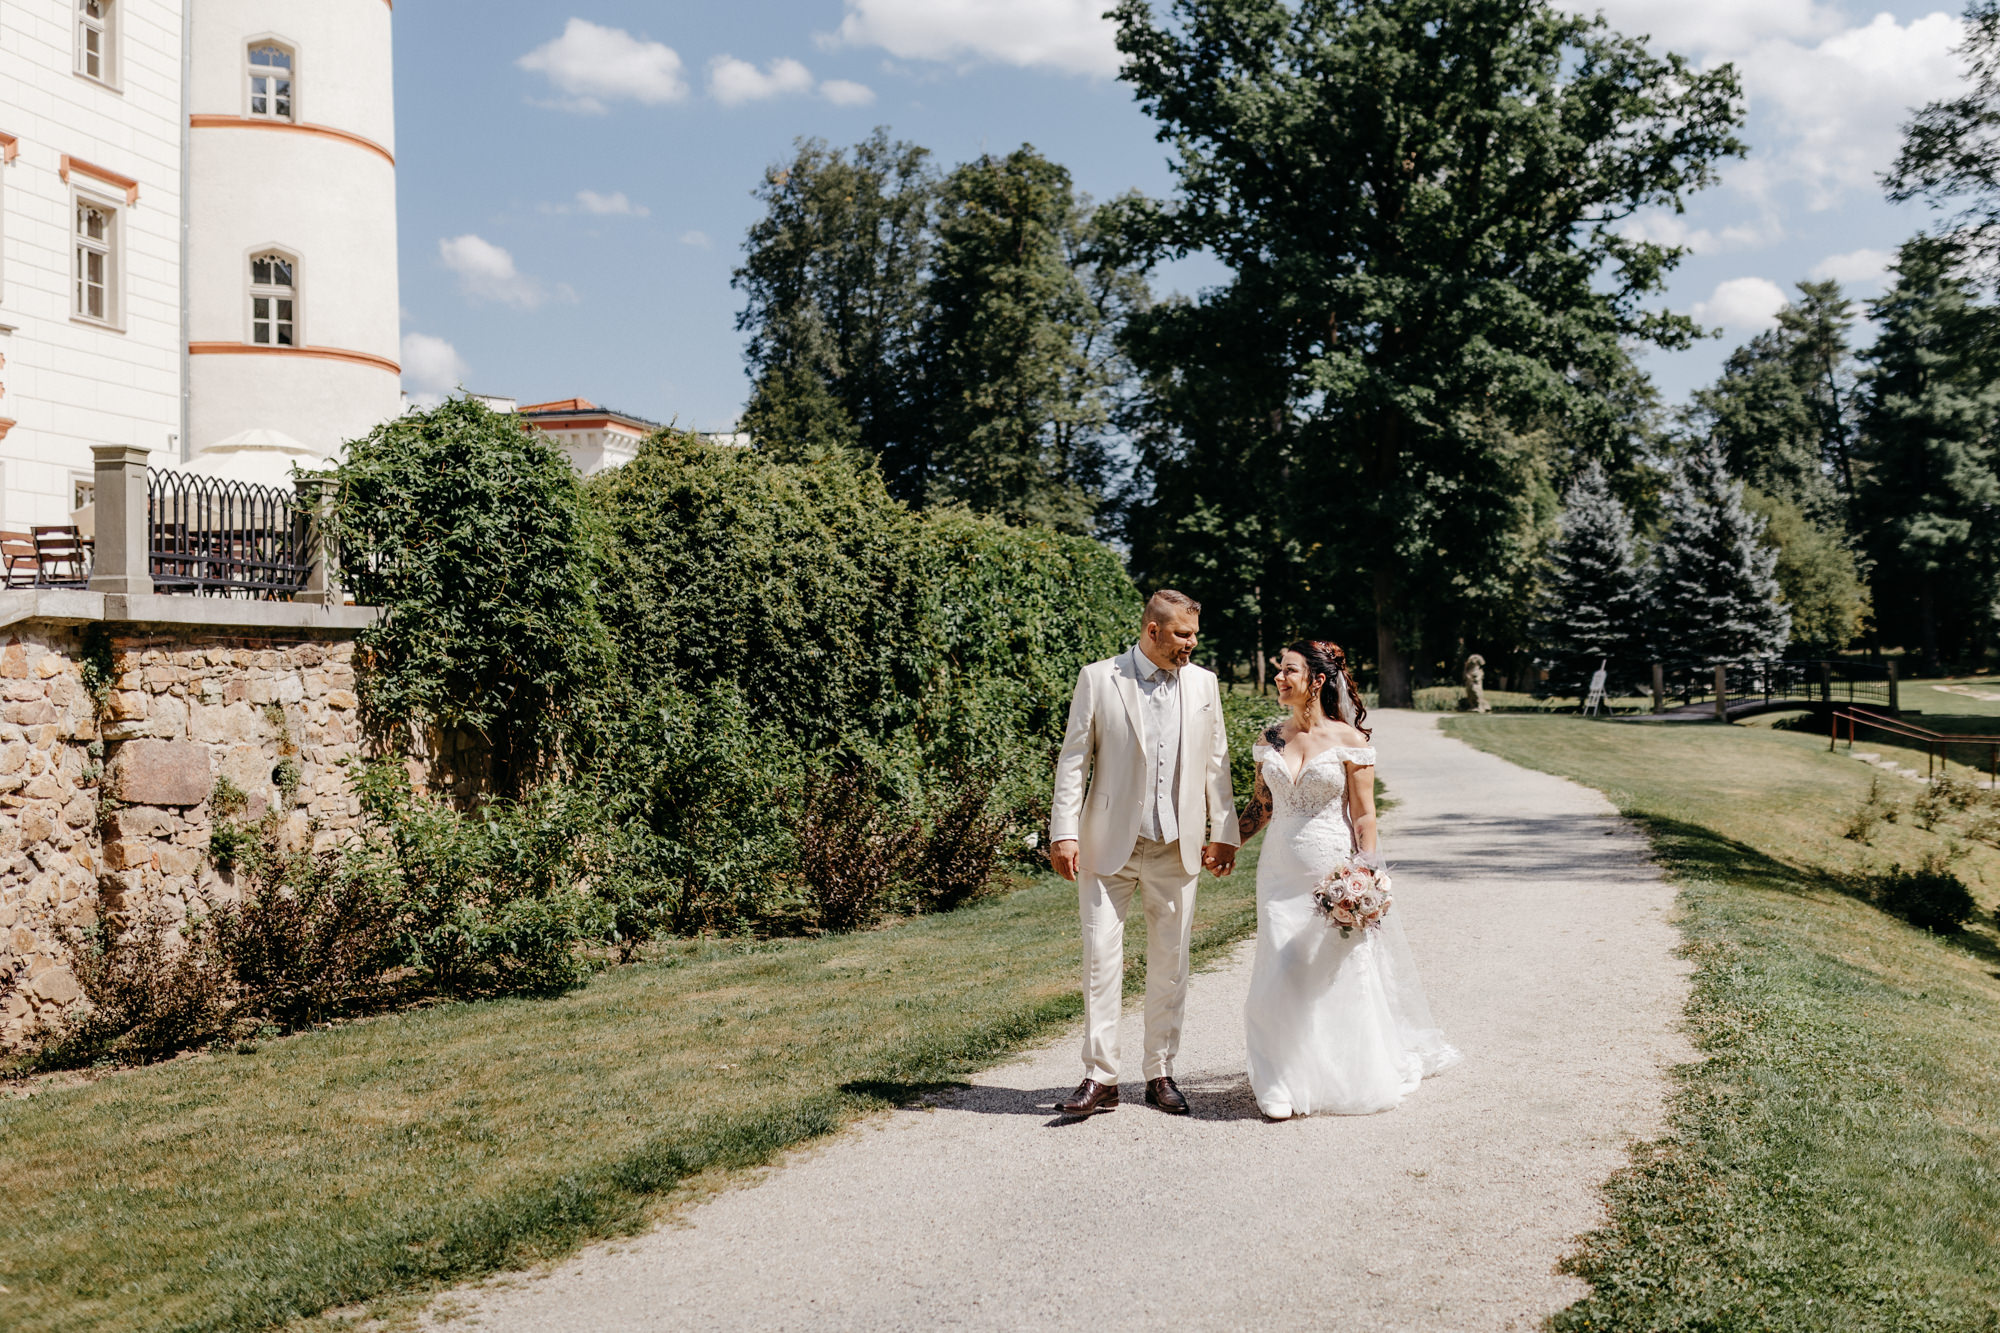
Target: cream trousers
[(1166, 893)]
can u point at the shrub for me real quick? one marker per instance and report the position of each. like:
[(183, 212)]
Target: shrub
[(152, 990), (1930, 897), (313, 937), (853, 846), (472, 535), (1874, 810), (489, 903), (953, 862)]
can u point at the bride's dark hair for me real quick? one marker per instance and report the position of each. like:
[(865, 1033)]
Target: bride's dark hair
[(1325, 659)]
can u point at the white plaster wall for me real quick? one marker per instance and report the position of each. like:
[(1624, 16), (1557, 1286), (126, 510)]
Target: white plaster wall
[(345, 74), (322, 404), (68, 384), (329, 201), (326, 201)]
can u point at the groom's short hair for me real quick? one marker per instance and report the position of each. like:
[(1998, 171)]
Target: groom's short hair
[(1165, 604)]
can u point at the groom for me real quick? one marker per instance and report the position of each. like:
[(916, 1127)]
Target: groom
[(1147, 724)]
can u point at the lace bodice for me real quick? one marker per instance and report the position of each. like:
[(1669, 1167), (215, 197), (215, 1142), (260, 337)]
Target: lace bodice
[(1321, 784)]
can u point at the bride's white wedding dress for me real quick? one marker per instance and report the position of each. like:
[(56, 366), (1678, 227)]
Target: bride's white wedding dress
[(1334, 1026)]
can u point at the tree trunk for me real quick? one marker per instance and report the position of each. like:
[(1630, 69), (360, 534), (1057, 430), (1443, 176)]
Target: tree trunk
[(1392, 664), (1927, 602), (1258, 593)]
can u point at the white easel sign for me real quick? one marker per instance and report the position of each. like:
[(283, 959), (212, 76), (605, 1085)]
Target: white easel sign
[(1596, 700)]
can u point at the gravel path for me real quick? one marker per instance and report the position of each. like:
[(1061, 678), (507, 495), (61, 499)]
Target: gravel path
[(1542, 934)]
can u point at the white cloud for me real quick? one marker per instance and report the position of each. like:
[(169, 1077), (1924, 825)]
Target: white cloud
[(1840, 106), (1742, 305), (1673, 229), (698, 239), (432, 368), (1072, 36), (614, 204), (733, 82), (487, 273), (1860, 268), (842, 92), (595, 65), (1695, 27)]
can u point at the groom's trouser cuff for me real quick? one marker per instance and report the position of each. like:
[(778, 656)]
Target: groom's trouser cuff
[(1166, 893)]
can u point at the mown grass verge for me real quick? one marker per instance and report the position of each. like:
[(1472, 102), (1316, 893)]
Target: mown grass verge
[(1833, 1161), (243, 1188)]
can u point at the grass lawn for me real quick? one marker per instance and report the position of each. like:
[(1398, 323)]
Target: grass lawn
[(240, 1190), (1833, 1163), (1977, 696)]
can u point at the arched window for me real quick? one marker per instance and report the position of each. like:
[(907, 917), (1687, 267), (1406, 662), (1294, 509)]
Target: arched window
[(270, 81), (274, 300), (96, 249), (94, 39)]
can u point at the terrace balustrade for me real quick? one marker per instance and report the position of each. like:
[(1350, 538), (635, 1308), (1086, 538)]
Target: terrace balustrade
[(165, 531)]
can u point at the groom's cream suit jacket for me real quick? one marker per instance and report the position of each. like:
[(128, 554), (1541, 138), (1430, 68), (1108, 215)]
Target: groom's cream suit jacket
[(1104, 743)]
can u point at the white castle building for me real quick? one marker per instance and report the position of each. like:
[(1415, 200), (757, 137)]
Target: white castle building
[(197, 234)]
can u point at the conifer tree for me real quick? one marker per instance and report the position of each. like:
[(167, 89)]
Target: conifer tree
[(1591, 602), (1929, 470), (1715, 587)]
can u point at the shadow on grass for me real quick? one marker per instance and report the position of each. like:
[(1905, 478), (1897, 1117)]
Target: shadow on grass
[(1702, 853)]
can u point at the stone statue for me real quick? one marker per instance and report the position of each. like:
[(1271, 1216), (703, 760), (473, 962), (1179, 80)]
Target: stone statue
[(1475, 686)]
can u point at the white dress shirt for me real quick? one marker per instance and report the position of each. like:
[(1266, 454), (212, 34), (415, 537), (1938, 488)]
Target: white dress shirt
[(1160, 717)]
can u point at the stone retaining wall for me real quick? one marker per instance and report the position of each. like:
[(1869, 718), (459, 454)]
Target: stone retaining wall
[(106, 801)]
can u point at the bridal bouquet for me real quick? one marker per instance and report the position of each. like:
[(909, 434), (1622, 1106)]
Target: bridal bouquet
[(1354, 895)]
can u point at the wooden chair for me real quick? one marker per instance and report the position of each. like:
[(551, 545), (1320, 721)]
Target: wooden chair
[(17, 549), (62, 558)]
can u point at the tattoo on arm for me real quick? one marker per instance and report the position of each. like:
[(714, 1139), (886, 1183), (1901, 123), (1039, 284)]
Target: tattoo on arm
[(1257, 813)]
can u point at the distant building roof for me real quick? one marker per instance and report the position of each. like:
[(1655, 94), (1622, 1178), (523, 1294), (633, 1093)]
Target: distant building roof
[(582, 414)]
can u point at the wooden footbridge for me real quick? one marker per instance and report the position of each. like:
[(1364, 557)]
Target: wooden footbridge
[(1724, 692)]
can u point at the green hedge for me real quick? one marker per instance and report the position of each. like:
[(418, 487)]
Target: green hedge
[(707, 639)]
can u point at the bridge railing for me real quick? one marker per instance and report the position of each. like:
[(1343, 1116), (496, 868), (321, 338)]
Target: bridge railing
[(1814, 682)]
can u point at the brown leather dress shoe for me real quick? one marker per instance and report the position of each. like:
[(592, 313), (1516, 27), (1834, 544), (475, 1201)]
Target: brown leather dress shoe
[(1162, 1093), (1091, 1097)]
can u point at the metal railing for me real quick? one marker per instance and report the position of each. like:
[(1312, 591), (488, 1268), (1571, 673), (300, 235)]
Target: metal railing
[(218, 538), (1776, 682), (1937, 744)]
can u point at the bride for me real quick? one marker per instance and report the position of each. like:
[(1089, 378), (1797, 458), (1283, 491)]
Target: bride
[(1333, 1025)]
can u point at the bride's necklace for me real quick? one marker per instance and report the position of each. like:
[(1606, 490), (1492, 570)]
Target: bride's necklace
[(1313, 717)]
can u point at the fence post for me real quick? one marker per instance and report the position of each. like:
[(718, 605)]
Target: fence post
[(1894, 706), (1722, 693), (315, 493), (122, 561), (1659, 688)]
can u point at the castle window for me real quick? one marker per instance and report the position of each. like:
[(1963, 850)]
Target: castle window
[(270, 81), (96, 261), (273, 301), (94, 34)]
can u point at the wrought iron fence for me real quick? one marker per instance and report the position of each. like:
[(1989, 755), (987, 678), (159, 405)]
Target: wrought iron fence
[(1783, 680), (220, 538)]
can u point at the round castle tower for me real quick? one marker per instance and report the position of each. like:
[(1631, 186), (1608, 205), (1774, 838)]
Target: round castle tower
[(292, 298)]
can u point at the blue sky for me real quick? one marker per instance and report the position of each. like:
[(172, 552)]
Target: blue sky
[(575, 179)]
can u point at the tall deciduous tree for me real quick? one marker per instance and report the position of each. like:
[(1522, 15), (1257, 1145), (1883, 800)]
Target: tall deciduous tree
[(834, 274), (1421, 200), (1929, 494), (1591, 609), (1015, 400), (1715, 595)]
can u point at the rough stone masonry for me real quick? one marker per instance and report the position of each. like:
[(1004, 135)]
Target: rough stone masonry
[(106, 801)]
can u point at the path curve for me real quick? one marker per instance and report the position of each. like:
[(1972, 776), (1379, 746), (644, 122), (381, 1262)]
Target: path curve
[(1541, 930)]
